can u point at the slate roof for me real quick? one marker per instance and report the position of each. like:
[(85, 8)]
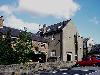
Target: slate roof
[(16, 32), (85, 40), (56, 28), (38, 38)]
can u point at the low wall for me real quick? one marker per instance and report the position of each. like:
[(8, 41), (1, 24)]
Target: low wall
[(19, 69)]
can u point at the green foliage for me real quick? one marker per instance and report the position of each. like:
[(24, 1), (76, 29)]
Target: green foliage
[(7, 55), (23, 46), (20, 52)]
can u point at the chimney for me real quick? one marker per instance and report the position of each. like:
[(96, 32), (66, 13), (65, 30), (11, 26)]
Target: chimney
[(44, 28), (1, 22)]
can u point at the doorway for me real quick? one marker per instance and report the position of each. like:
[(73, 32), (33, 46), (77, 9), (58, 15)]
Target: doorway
[(69, 56)]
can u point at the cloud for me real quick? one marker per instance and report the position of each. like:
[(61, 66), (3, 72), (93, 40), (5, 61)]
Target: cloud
[(56, 8), (95, 20), (7, 10), (12, 21), (62, 9)]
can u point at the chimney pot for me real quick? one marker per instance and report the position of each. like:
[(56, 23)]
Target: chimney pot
[(1, 22)]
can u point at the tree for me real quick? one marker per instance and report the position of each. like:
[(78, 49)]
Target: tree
[(23, 46), (7, 55), (20, 51)]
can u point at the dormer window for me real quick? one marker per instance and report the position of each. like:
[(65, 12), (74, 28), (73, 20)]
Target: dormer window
[(3, 36), (59, 26), (53, 37), (48, 29)]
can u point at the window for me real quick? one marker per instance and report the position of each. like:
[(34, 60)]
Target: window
[(68, 57), (3, 36), (90, 44), (76, 57), (53, 53), (42, 45), (84, 45)]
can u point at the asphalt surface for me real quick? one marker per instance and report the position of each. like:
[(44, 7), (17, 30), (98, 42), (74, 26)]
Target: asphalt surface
[(75, 71), (89, 70), (69, 72)]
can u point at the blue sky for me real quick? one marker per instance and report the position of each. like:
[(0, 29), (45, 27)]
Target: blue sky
[(87, 19), (30, 13)]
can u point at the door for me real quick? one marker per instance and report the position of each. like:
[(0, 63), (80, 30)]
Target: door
[(69, 56)]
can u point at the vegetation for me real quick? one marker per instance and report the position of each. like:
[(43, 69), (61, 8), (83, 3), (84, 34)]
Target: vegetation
[(23, 46), (21, 50), (7, 55)]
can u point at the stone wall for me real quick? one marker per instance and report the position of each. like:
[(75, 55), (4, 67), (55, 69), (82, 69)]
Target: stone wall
[(22, 69)]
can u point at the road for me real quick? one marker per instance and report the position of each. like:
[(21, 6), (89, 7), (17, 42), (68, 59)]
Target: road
[(75, 71)]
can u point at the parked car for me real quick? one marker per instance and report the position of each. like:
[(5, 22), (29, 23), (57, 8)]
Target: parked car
[(89, 61)]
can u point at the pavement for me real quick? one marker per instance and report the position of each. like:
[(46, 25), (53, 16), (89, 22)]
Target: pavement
[(75, 71)]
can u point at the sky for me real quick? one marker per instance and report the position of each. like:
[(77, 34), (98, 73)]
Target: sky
[(31, 13)]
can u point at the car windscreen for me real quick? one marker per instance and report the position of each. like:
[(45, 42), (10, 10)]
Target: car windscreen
[(98, 58)]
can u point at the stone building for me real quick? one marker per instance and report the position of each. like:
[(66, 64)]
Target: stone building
[(64, 41), (61, 41), (39, 42)]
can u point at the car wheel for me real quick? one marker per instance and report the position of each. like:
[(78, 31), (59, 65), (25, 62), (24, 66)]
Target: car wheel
[(98, 64), (77, 65), (94, 65)]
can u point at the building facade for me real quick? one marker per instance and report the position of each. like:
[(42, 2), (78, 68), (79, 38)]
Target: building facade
[(60, 41), (64, 41)]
